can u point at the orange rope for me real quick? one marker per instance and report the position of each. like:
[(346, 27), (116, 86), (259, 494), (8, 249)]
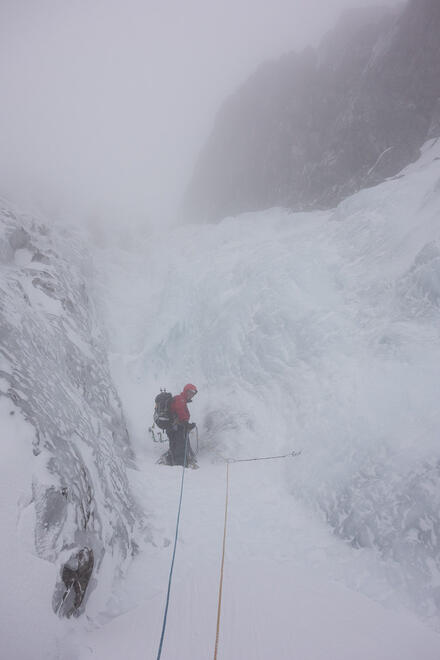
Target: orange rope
[(223, 564)]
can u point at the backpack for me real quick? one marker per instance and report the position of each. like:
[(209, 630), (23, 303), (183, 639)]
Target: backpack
[(163, 417)]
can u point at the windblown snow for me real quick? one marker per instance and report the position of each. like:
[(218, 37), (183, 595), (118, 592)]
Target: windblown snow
[(316, 332)]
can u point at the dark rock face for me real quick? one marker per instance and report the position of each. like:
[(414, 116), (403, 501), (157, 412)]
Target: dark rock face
[(75, 577), (308, 130), (54, 368)]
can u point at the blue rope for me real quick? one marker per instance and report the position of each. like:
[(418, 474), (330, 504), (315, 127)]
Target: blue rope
[(174, 554)]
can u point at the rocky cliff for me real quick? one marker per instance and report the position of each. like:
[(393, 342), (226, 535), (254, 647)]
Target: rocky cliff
[(54, 375), (311, 128)]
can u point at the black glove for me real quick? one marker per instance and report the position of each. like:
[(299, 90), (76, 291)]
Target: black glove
[(191, 426)]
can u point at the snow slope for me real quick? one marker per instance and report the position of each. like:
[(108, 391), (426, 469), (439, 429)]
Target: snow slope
[(279, 598), (314, 331)]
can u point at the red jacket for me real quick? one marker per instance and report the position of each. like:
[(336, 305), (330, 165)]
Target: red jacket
[(179, 408)]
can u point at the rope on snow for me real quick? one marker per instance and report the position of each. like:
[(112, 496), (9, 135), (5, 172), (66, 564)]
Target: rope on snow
[(174, 554), (220, 590), (170, 577), (262, 458)]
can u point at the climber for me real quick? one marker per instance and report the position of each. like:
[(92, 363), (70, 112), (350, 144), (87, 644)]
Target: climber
[(181, 426)]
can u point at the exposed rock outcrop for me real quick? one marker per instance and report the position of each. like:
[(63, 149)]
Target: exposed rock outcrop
[(311, 128)]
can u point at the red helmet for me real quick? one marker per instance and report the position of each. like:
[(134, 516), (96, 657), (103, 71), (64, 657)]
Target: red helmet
[(189, 391)]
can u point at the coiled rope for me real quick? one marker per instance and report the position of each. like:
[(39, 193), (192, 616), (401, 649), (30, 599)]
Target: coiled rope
[(174, 554)]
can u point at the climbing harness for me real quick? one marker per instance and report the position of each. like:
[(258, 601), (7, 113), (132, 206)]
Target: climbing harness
[(220, 590), (174, 554), (158, 436)]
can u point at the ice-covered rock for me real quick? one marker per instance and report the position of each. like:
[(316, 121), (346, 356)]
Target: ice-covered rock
[(54, 373)]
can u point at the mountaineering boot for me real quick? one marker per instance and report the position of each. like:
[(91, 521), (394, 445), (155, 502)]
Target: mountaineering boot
[(165, 459)]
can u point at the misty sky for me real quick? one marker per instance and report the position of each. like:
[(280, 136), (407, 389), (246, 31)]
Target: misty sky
[(106, 103)]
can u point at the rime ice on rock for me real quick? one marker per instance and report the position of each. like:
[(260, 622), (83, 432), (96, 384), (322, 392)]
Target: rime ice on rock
[(53, 366)]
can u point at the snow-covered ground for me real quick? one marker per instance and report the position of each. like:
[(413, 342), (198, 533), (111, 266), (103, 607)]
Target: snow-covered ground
[(279, 597), (314, 331), (318, 332)]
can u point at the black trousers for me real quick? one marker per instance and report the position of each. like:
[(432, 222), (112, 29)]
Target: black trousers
[(177, 436)]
